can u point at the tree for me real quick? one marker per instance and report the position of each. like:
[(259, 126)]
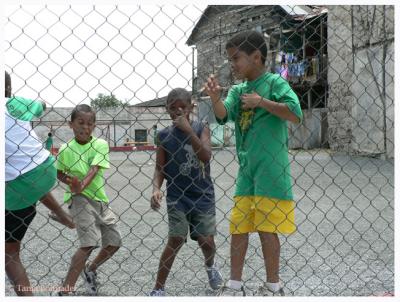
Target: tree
[(106, 101)]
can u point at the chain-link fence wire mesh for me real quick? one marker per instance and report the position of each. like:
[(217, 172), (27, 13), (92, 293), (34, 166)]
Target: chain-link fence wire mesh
[(338, 59)]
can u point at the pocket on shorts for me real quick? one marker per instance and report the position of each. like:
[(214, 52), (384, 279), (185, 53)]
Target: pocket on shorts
[(108, 216)]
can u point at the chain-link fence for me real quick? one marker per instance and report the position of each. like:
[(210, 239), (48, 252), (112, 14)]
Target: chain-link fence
[(339, 60)]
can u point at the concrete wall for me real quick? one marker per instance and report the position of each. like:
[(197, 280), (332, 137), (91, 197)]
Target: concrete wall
[(312, 132), (114, 125), (361, 79)]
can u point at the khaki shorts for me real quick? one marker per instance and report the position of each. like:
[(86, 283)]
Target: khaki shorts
[(94, 221), (258, 213)]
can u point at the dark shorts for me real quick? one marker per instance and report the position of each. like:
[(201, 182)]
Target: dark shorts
[(198, 224), (17, 222)]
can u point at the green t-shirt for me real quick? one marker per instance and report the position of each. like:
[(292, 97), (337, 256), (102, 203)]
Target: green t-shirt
[(262, 138), (75, 159), (24, 109)]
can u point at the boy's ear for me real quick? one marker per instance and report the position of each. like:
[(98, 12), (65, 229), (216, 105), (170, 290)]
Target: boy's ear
[(256, 55), (70, 124)]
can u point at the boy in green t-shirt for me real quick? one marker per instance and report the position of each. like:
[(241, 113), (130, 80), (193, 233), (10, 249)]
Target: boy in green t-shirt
[(80, 164), (260, 107)]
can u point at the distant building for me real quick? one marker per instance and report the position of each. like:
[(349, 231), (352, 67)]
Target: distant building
[(296, 35), (343, 72)]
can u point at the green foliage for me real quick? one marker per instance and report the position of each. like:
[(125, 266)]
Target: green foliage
[(106, 101)]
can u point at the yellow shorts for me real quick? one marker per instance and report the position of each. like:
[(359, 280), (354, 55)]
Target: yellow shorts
[(260, 213)]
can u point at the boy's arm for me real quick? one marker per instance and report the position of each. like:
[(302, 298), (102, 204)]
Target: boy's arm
[(158, 178), (25, 109), (250, 101), (64, 178), (213, 89), (201, 146), (76, 185), (79, 186), (279, 109), (219, 109)]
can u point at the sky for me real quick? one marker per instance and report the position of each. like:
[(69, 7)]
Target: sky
[(67, 54)]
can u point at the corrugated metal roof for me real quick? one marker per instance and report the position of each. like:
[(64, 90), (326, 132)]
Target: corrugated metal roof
[(297, 12), (294, 10)]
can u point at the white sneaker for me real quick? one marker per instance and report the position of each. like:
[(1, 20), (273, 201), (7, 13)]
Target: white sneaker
[(90, 281), (228, 291), (263, 290)]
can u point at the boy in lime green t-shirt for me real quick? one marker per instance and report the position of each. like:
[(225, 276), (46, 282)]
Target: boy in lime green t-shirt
[(260, 107), (80, 164)]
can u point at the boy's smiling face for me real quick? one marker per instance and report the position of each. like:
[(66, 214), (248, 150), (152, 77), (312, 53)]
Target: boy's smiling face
[(83, 126)]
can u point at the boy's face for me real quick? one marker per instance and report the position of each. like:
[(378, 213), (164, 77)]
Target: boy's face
[(179, 107), (242, 64), (83, 126)]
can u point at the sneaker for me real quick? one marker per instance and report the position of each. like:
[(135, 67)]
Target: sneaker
[(228, 291), (157, 292), (265, 291), (214, 277), (90, 281)]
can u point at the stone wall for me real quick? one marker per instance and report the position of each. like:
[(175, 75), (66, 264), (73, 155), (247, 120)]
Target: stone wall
[(220, 24), (360, 75)]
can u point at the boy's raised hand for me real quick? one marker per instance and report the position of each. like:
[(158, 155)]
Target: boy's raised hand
[(155, 201), (212, 88), (182, 122)]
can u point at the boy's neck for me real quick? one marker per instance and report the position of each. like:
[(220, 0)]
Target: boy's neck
[(83, 143), (256, 73)]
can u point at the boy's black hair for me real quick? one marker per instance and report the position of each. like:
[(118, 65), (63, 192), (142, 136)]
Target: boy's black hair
[(7, 84), (249, 41), (82, 108), (179, 94)]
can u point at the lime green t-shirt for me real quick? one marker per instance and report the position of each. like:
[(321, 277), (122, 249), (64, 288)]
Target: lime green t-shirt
[(75, 159), (262, 138), (24, 109)]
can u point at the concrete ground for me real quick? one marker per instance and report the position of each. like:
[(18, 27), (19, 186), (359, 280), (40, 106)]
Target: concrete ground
[(344, 245)]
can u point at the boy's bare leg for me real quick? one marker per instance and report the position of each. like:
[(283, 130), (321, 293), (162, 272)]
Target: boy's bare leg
[(77, 264), (167, 259), (239, 246), (15, 270), (271, 248), (207, 246), (104, 254), (61, 216)]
